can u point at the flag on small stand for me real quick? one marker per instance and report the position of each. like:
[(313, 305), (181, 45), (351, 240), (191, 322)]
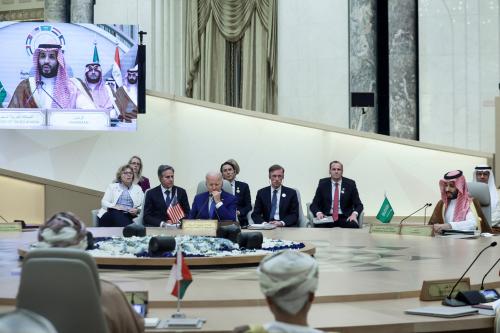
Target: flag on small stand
[(386, 212), (180, 277), (175, 211), (116, 71)]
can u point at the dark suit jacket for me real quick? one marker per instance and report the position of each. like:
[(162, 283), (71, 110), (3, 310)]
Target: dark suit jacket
[(226, 212), (289, 206), (244, 201), (349, 197), (155, 208)]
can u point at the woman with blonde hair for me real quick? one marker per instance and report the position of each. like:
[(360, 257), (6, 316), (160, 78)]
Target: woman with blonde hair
[(136, 163)]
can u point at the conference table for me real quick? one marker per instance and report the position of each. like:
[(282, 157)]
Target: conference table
[(366, 281)]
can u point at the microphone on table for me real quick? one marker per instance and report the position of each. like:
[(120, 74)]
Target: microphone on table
[(425, 212), (484, 277), (415, 212), (466, 297), (204, 203)]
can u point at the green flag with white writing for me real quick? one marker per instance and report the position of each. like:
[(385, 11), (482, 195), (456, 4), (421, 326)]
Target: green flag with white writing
[(3, 93), (386, 212)]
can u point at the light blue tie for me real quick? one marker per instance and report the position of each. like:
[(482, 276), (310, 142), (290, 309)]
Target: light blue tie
[(274, 202), (211, 210)]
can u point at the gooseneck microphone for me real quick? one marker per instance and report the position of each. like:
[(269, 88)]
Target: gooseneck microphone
[(38, 84), (52, 98), (484, 277), (204, 203), (454, 302), (415, 212)]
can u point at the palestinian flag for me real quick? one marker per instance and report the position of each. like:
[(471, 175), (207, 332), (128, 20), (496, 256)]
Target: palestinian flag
[(180, 276)]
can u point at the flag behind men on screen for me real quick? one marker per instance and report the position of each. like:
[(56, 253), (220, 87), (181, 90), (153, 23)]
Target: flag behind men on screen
[(174, 210), (116, 71), (386, 212)]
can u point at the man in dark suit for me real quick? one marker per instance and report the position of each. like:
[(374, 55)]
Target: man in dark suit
[(276, 204), (338, 197), (215, 203), (158, 199), (241, 191)]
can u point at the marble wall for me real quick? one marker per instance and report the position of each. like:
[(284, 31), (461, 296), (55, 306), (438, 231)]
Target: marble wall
[(21, 10), (459, 72), (402, 69), (362, 60)]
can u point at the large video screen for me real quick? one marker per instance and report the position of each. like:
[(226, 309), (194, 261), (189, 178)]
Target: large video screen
[(69, 76)]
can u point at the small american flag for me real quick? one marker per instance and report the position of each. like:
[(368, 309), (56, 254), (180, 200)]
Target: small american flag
[(174, 211)]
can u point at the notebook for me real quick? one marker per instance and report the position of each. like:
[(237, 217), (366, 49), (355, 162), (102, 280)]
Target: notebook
[(326, 219), (443, 311), (263, 226)]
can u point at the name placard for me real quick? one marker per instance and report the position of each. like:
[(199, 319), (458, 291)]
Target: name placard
[(11, 227), (436, 290), (199, 227), (78, 119), (22, 118), (385, 228), (417, 230)]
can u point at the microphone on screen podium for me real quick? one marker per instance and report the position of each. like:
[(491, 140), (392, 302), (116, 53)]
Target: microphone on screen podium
[(415, 212), (40, 84), (470, 297)]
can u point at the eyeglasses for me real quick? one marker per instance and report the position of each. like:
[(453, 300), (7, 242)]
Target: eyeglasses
[(482, 173)]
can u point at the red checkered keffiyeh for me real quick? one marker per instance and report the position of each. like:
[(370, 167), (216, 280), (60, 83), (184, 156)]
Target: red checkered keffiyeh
[(61, 88)]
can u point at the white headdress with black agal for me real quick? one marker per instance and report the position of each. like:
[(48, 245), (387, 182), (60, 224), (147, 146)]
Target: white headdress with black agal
[(491, 183)]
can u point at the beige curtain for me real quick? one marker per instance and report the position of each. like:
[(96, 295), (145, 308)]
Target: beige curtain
[(209, 24)]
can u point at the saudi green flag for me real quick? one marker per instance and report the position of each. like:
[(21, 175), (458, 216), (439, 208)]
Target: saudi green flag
[(3, 94), (386, 212)]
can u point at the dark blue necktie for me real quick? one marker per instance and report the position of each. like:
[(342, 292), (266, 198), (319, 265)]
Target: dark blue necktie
[(168, 199), (274, 202), (211, 210)]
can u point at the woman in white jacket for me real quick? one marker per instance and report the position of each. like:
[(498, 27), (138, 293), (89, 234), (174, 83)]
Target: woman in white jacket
[(122, 200)]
